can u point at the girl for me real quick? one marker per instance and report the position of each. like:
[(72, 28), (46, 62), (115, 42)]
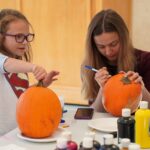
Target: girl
[(109, 49), (15, 56)]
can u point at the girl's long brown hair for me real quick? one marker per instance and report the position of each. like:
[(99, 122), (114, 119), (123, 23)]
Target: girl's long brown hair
[(6, 17), (105, 21)]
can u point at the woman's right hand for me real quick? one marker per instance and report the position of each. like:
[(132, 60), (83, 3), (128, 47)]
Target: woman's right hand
[(102, 76), (39, 72)]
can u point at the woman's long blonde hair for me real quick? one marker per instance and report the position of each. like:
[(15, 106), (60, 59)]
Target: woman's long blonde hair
[(105, 21), (6, 17)]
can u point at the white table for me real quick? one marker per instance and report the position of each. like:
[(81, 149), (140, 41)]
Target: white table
[(78, 128)]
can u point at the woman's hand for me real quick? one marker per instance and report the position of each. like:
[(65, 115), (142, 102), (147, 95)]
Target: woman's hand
[(50, 77), (134, 76), (102, 76)]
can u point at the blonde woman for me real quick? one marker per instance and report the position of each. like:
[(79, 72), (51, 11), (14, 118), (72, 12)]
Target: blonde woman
[(110, 50)]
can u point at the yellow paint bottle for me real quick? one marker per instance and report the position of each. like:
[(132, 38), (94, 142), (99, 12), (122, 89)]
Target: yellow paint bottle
[(142, 125)]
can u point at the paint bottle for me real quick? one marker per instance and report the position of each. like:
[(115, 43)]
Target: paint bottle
[(125, 144), (71, 145), (108, 141), (134, 146), (61, 144), (142, 126), (126, 126), (96, 144), (87, 144)]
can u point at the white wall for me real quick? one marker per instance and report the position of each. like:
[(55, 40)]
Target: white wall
[(141, 24)]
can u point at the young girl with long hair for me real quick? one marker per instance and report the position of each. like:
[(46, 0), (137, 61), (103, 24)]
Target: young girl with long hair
[(15, 57)]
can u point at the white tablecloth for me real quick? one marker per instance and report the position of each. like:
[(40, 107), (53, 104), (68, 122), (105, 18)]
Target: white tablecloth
[(77, 127)]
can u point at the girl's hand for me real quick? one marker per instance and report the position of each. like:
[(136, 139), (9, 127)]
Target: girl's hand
[(39, 72), (50, 77), (134, 76), (102, 76)]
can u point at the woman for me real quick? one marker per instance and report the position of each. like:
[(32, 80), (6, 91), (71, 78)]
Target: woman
[(109, 49)]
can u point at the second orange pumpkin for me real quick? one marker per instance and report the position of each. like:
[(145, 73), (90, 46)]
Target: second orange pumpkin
[(119, 92)]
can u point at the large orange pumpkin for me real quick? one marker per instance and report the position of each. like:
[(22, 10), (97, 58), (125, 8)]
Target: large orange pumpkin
[(38, 112), (119, 92)]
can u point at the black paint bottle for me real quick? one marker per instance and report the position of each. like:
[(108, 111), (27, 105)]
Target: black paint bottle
[(108, 141), (126, 126), (96, 144)]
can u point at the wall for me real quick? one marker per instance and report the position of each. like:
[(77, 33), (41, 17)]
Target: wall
[(60, 28), (141, 24)]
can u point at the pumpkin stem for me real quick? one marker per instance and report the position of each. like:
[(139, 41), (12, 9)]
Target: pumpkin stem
[(40, 84), (126, 80)]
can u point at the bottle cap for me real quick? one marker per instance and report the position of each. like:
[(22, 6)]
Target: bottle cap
[(108, 139), (143, 104), (125, 142), (126, 112), (61, 143), (90, 134), (134, 146), (67, 135), (87, 142)]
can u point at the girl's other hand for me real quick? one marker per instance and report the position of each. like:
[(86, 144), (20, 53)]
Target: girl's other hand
[(102, 76), (50, 77), (39, 72)]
